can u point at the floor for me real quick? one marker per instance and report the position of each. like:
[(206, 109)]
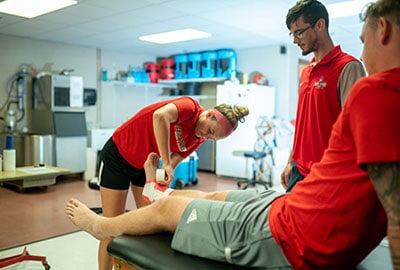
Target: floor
[(77, 250), (35, 219), (38, 213)]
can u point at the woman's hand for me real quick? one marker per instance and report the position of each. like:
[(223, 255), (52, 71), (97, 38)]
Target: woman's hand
[(169, 175)]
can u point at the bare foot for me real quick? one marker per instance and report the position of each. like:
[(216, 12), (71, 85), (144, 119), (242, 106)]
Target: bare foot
[(151, 165), (85, 218)]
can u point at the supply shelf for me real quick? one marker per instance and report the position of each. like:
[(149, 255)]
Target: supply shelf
[(202, 80)]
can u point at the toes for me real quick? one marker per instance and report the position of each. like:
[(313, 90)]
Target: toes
[(155, 159), (152, 160), (74, 202)]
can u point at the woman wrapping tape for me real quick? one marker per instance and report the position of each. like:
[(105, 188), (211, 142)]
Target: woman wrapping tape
[(173, 129)]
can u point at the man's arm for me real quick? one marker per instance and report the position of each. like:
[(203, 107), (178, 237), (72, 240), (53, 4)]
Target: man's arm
[(386, 180), (285, 175), (351, 72)]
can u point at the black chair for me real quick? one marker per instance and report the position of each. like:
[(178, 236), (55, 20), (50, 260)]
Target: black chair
[(256, 179)]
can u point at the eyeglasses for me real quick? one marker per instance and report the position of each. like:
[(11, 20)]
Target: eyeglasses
[(300, 33)]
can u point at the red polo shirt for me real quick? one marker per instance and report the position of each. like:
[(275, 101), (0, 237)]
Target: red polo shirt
[(318, 107)]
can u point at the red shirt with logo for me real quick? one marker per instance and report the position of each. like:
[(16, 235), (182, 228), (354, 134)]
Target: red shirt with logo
[(318, 107), (135, 138), (333, 218)]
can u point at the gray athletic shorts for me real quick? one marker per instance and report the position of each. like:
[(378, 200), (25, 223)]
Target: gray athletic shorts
[(235, 231)]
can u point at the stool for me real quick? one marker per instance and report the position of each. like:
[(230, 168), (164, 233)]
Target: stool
[(255, 180)]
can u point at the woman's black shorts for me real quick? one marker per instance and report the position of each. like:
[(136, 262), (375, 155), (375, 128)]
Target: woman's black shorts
[(115, 172)]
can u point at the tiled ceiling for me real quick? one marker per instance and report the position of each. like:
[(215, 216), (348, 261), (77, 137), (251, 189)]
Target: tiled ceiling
[(116, 25)]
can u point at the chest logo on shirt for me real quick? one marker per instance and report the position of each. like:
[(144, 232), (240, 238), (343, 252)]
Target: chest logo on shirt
[(320, 84), (179, 139)]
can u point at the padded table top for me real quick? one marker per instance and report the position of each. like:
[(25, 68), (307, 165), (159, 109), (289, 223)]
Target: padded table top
[(154, 252)]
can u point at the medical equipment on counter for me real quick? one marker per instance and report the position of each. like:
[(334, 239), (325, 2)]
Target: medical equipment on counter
[(14, 106)]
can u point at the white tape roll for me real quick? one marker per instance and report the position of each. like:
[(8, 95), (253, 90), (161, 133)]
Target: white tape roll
[(160, 175), (9, 160)]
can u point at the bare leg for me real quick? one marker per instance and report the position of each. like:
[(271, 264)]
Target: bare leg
[(217, 196), (146, 220), (113, 204), (137, 195)]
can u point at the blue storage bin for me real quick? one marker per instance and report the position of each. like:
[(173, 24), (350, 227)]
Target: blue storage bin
[(227, 63), (139, 75), (194, 65), (181, 61), (209, 64), (186, 172)]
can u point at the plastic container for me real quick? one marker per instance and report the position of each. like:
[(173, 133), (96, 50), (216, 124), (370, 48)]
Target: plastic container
[(167, 69), (186, 172), (194, 65), (209, 64), (181, 61), (227, 63), (153, 72), (139, 75), (9, 154)]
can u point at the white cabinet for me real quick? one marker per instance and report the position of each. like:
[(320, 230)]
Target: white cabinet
[(118, 101), (261, 102)]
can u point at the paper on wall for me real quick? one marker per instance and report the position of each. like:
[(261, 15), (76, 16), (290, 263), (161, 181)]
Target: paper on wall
[(76, 91)]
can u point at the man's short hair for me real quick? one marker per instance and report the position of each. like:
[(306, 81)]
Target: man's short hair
[(310, 10), (389, 9)]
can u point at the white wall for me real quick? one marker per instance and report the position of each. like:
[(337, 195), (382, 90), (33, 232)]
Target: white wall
[(47, 56), (53, 57), (280, 69)]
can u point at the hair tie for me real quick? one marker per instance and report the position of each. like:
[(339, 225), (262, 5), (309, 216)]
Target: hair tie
[(224, 122)]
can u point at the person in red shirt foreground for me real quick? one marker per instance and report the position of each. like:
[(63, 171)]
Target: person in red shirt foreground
[(332, 219), (173, 129)]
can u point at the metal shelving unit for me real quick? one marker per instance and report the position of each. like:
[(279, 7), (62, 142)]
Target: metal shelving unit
[(205, 80)]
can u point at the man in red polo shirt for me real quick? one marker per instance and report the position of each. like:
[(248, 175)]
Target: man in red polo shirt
[(324, 86)]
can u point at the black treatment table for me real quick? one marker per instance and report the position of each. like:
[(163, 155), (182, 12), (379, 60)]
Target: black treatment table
[(153, 252)]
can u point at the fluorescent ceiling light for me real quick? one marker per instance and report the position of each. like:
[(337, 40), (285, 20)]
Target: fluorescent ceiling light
[(347, 8), (175, 36), (33, 8)]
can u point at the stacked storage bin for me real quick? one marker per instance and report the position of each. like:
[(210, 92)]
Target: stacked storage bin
[(167, 69), (209, 64), (226, 63), (181, 61), (153, 71), (194, 65)]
